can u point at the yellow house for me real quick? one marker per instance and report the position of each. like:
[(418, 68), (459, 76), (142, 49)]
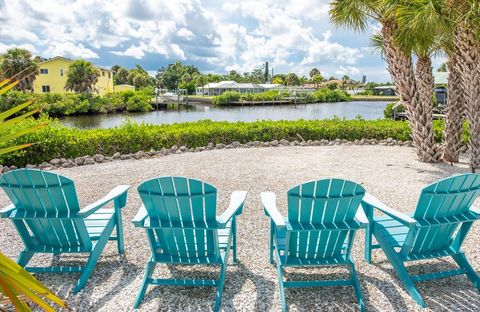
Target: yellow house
[(53, 76)]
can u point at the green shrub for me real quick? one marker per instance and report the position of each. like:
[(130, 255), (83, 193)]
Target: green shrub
[(226, 98), (55, 140), (139, 103), (55, 104), (327, 95), (388, 111)]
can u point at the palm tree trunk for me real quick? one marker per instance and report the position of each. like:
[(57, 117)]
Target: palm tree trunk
[(400, 66), (454, 114), (468, 50)]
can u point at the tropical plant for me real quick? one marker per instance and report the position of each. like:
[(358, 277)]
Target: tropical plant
[(82, 77), (459, 23), (16, 284), (6, 133), (121, 76), (356, 15), (20, 287), (19, 63)]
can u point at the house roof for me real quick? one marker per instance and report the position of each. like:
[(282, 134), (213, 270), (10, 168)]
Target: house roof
[(70, 60), (229, 84)]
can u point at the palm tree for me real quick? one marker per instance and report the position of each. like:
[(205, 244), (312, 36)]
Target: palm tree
[(459, 22), (356, 14), (19, 63), (464, 18), (82, 77)]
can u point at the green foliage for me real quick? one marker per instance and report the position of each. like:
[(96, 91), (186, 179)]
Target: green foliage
[(171, 76), (321, 95), (226, 98), (82, 77), (56, 141), (327, 95), (19, 64), (388, 111), (55, 104), (139, 103)]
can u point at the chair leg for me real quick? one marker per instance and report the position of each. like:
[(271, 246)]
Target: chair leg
[(119, 227), (272, 234), (24, 257), (234, 240), (401, 271), (148, 274), (221, 279), (368, 233), (94, 255), (462, 261), (356, 286), (280, 282)]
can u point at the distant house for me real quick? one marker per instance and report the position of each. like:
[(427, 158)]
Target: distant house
[(384, 90), (217, 88), (53, 74), (123, 87)]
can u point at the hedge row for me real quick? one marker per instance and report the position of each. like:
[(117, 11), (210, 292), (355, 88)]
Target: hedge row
[(55, 104), (57, 141)]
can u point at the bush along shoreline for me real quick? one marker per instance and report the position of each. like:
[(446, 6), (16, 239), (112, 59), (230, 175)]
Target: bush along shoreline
[(55, 104), (319, 96), (72, 145)]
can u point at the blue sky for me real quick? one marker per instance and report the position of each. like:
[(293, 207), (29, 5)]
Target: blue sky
[(217, 36)]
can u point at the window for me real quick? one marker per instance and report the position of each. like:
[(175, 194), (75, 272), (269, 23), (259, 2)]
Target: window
[(103, 73), (43, 71), (45, 89), (61, 71), (109, 76)]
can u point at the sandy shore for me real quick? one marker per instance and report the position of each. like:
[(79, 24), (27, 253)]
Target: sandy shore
[(390, 173)]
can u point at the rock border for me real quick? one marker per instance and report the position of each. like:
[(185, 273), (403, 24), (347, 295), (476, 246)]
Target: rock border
[(99, 158)]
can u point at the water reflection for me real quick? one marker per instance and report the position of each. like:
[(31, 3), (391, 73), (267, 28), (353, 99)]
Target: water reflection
[(174, 113)]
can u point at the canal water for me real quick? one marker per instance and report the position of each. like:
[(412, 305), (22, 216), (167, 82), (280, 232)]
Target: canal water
[(176, 114)]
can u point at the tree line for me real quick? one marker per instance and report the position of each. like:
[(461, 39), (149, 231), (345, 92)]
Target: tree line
[(83, 75)]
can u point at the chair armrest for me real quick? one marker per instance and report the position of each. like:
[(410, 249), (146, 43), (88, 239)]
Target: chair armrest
[(361, 217), (370, 200), (140, 217), (236, 204), (5, 212), (474, 210), (269, 202), (117, 192)]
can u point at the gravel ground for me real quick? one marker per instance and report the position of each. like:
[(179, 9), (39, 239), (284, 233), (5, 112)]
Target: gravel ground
[(389, 172)]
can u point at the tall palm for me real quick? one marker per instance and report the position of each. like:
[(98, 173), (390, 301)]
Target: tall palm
[(356, 15), (82, 77), (420, 33), (19, 64), (460, 20), (465, 21)]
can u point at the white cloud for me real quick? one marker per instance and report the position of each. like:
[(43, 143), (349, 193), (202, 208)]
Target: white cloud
[(347, 70), (69, 49), (217, 35), (27, 46)]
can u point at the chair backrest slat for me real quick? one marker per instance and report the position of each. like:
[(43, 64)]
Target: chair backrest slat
[(331, 202), (41, 196), (440, 202), (175, 201)]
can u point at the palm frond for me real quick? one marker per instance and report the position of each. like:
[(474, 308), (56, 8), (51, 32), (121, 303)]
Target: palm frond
[(19, 286)]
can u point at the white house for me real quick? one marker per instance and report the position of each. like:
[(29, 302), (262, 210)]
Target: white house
[(217, 88)]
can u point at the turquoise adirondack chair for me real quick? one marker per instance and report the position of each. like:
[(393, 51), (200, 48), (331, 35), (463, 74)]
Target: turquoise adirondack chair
[(323, 217), (179, 216), (437, 228), (48, 218)]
